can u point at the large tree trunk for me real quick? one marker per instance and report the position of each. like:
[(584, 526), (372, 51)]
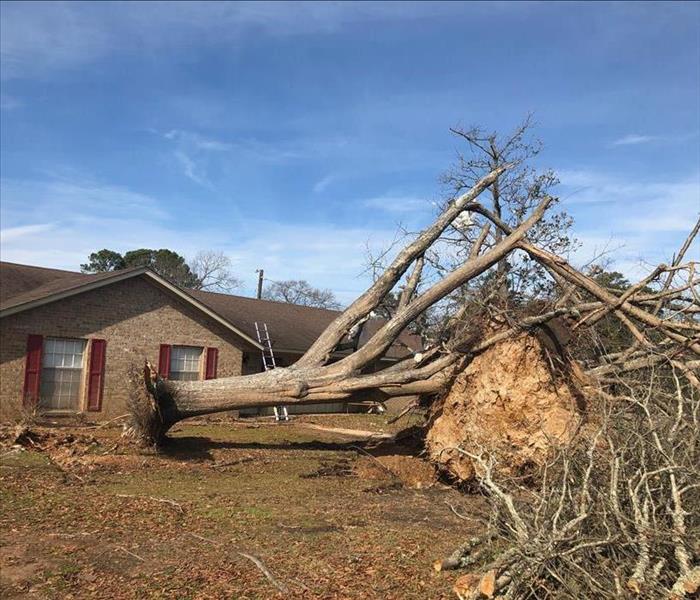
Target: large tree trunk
[(315, 379)]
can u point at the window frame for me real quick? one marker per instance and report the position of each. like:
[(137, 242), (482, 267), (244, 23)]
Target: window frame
[(201, 362), (82, 380)]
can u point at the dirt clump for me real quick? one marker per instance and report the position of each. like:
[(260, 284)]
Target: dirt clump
[(410, 471), (340, 468), (516, 402)]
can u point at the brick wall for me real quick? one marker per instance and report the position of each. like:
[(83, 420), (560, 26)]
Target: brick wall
[(135, 317)]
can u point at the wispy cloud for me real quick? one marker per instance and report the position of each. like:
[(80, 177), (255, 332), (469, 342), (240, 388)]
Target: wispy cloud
[(636, 222), (58, 221), (191, 169), (397, 203), (634, 139), (636, 196), (38, 39), (197, 141), (327, 255), (197, 153), (69, 219), (12, 234), (67, 195), (322, 184), (192, 153)]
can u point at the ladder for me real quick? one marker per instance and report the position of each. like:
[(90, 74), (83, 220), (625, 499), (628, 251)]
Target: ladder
[(268, 361)]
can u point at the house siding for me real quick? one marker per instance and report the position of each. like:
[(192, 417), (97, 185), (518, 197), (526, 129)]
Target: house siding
[(134, 316)]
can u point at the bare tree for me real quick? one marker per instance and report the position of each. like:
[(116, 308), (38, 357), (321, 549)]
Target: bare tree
[(301, 292), (515, 193), (213, 271)]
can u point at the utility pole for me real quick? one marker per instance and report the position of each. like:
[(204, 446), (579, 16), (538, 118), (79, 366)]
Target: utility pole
[(260, 273)]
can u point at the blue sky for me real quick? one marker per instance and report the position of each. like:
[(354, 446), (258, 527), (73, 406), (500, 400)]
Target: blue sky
[(294, 136)]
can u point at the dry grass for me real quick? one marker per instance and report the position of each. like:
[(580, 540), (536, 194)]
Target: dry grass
[(85, 519)]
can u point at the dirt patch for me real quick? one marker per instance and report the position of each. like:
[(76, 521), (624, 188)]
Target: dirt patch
[(412, 472), (515, 402), (17, 566), (341, 468)]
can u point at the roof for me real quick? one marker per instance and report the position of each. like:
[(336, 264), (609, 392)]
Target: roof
[(18, 279), (293, 328), (23, 284)]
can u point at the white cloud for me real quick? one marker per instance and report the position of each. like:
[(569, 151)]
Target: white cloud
[(197, 141), (326, 255), (12, 234), (191, 169), (39, 38), (59, 222), (633, 139), (680, 198), (196, 154), (42, 38), (636, 223), (192, 153), (322, 184), (397, 203), (63, 196)]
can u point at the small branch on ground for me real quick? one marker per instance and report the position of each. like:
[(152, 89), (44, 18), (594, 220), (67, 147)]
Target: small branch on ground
[(176, 505)]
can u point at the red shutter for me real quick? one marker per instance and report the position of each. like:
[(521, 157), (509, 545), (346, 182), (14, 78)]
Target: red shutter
[(212, 362), (164, 361), (32, 370), (96, 374)]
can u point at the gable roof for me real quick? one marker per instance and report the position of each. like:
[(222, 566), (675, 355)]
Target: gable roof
[(16, 280), (293, 328), (24, 284), (55, 285)]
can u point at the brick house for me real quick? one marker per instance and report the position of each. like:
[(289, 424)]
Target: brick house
[(68, 340)]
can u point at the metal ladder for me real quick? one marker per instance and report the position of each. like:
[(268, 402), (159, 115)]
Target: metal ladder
[(268, 361)]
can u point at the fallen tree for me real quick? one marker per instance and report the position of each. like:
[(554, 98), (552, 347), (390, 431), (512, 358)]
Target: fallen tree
[(670, 313), (588, 449)]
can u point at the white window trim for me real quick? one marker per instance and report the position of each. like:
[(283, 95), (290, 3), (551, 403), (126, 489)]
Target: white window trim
[(82, 396), (200, 362)]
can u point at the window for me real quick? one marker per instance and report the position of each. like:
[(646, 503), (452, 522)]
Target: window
[(185, 363), (61, 374)]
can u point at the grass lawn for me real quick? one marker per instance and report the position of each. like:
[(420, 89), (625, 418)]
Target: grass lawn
[(84, 516)]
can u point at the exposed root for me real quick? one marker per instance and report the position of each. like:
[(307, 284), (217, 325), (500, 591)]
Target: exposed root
[(614, 514)]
